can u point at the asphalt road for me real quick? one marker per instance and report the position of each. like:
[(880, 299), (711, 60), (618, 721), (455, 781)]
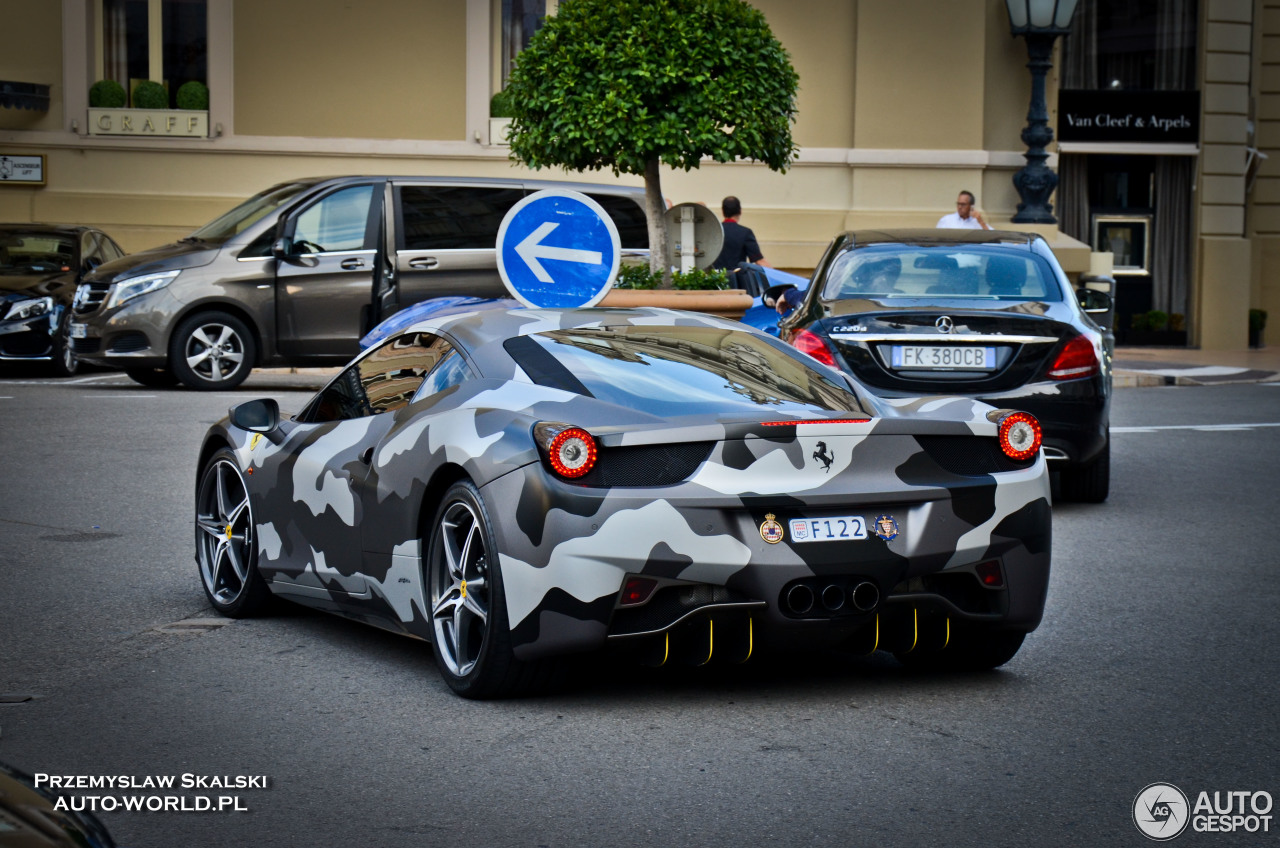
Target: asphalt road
[(1157, 661)]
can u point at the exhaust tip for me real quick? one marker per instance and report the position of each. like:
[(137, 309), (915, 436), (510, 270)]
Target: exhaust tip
[(800, 599), (865, 596), (833, 597)]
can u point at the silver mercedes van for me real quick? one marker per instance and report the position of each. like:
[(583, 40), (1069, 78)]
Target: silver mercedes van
[(295, 275)]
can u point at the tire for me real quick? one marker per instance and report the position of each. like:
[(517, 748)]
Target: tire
[(968, 650), (156, 378), (470, 639), (1090, 483), (64, 362), (226, 546), (211, 350)]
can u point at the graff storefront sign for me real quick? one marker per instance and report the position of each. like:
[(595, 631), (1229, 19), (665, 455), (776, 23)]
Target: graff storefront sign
[(1129, 116)]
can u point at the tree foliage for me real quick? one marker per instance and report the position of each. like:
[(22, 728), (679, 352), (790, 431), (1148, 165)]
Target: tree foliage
[(626, 84)]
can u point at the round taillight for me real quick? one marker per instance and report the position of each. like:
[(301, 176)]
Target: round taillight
[(813, 345), (1020, 435), (572, 452)]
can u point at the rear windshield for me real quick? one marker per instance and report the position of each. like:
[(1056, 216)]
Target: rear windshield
[(249, 213), (948, 271), (35, 253), (674, 371)]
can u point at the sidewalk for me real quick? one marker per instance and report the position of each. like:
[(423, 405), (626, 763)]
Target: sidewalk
[(1180, 366)]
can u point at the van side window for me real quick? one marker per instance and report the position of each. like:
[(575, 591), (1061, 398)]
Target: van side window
[(339, 221), (383, 381), (628, 216), (453, 217)]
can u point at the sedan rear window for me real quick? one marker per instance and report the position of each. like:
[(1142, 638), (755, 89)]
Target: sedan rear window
[(674, 371), (932, 272)]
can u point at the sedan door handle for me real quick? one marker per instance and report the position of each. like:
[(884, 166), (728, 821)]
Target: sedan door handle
[(352, 264), (423, 263)]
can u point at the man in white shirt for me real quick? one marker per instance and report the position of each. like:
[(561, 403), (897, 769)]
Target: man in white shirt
[(966, 216)]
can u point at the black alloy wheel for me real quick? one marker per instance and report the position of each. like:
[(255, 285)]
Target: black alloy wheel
[(226, 540)]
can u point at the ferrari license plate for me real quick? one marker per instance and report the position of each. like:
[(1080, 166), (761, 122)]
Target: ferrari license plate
[(79, 331), (960, 357), (835, 529)]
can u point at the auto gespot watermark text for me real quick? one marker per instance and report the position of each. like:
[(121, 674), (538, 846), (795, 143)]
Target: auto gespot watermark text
[(1161, 811), (158, 788)]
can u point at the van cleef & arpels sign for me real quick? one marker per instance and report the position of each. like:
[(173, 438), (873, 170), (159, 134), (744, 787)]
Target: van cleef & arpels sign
[(1157, 117)]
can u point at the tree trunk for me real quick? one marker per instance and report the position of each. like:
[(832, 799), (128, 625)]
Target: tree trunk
[(655, 209)]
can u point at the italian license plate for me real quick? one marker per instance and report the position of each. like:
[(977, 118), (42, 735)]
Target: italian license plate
[(944, 357), (79, 331), (835, 529)]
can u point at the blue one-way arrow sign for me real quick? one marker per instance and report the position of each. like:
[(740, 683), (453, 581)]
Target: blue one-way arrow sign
[(558, 248)]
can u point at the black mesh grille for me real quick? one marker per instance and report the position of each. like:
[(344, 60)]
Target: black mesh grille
[(86, 345), (970, 456), (646, 465), (129, 342)]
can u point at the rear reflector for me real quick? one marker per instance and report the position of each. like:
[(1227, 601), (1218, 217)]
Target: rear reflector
[(1076, 360), (636, 591), (990, 574), (811, 344)]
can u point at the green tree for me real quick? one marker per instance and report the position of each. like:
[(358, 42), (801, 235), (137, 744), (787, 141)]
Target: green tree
[(630, 84)]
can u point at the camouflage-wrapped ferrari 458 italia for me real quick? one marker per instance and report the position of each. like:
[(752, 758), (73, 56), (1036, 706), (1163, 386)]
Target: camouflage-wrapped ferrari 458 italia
[(515, 485)]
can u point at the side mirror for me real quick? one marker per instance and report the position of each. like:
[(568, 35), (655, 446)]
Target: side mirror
[(281, 248), (1093, 301), (257, 416)]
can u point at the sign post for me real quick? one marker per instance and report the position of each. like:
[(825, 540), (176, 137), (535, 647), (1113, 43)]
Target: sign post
[(558, 249)]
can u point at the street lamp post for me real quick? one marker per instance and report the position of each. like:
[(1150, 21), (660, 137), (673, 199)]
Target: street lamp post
[(1040, 22)]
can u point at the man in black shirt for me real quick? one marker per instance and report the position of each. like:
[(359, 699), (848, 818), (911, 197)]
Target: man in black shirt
[(739, 242)]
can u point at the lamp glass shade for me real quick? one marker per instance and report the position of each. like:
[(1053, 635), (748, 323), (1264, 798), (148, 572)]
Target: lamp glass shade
[(1017, 13), (1066, 8)]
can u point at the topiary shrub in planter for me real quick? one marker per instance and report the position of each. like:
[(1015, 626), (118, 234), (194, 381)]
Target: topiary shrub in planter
[(193, 95), (500, 105), (149, 94), (107, 94)]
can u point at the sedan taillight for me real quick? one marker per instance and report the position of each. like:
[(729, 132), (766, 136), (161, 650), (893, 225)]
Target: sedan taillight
[(811, 344), (1077, 359)]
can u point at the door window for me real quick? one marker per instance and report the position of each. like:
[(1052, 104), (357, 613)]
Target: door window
[(339, 221), (628, 217), (383, 381), (453, 217)]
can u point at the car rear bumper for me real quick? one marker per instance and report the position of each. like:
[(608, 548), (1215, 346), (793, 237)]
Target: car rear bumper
[(708, 561)]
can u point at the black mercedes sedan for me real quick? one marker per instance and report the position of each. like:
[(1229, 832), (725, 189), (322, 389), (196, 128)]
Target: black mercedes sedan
[(988, 314), (40, 267)]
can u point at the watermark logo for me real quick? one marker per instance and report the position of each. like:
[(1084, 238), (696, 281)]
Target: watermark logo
[(1161, 812)]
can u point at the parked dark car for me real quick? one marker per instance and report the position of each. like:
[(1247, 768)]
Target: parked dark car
[(298, 273), (986, 314), (40, 266)]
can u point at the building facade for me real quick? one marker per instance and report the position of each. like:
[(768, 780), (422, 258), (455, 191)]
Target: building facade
[(901, 106)]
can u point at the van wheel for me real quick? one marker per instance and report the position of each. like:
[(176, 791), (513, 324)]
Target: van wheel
[(211, 350)]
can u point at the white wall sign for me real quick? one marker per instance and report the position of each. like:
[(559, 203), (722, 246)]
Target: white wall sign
[(21, 170)]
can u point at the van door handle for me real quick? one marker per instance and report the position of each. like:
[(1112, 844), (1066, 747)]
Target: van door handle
[(423, 263), (352, 264)]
